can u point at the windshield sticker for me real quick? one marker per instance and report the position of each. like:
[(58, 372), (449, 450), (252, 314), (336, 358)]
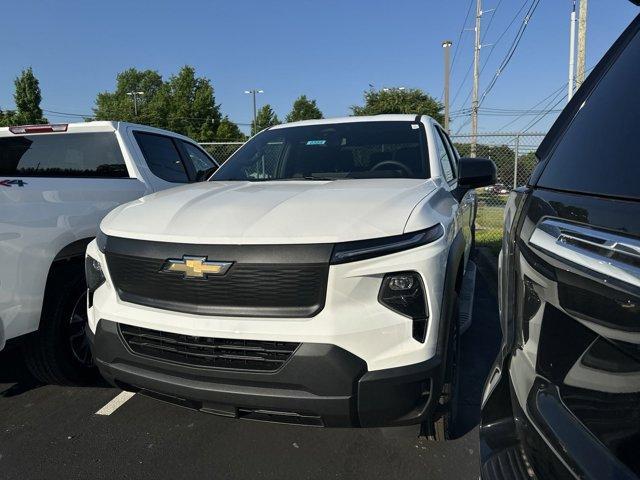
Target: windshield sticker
[(316, 142), (415, 126)]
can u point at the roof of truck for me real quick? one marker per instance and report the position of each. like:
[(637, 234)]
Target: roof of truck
[(86, 127), (369, 118)]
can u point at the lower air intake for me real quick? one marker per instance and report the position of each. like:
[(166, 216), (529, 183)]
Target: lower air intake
[(223, 353)]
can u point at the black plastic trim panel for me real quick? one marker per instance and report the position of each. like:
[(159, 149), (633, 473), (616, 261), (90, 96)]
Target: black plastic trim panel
[(321, 384), (254, 254)]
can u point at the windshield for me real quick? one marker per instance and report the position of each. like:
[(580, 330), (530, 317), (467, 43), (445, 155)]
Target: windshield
[(330, 152)]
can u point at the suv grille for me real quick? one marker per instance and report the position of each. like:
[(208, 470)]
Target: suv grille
[(222, 353), (266, 290)]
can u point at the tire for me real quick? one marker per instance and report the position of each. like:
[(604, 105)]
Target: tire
[(443, 424), (58, 353)]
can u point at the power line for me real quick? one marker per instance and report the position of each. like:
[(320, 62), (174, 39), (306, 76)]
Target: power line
[(486, 61), (512, 50), (459, 42), (553, 94), (535, 122)]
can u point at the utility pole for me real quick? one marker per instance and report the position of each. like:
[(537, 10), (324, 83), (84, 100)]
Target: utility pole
[(135, 96), (447, 70), (253, 92), (476, 81), (582, 43), (572, 53)]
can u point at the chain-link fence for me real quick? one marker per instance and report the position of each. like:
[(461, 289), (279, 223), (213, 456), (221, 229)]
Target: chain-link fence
[(513, 154), (220, 151)]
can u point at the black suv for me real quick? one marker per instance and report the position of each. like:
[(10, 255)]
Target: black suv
[(563, 399)]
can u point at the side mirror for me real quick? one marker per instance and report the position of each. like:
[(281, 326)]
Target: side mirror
[(476, 172), (203, 175)]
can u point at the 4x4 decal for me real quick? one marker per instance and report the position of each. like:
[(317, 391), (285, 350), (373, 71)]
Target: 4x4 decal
[(9, 183)]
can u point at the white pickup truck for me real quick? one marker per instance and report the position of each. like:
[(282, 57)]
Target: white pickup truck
[(57, 182)]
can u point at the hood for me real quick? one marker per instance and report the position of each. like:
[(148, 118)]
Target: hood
[(271, 212)]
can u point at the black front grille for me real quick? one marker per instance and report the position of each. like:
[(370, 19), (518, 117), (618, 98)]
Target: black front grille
[(247, 289), (225, 353)]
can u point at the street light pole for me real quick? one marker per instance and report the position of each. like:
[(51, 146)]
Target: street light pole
[(447, 68), (253, 92), (135, 96)]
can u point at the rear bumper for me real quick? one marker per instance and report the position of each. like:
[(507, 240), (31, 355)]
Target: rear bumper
[(320, 384)]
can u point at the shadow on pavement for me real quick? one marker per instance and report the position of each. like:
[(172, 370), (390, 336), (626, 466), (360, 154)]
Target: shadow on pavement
[(14, 374), (15, 378)]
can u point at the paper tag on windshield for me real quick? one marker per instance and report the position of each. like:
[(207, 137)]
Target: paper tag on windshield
[(415, 126)]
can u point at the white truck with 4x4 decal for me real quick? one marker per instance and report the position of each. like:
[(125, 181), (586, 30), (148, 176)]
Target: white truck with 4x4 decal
[(57, 182), (314, 279)]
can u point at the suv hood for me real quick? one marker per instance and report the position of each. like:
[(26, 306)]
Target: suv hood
[(274, 212)]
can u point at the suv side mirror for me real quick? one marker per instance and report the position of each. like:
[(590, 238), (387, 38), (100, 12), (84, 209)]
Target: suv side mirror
[(203, 175), (476, 172)]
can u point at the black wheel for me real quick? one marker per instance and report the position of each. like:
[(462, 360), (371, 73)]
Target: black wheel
[(443, 425), (59, 352)]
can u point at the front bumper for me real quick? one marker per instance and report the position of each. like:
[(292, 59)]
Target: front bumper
[(321, 384)]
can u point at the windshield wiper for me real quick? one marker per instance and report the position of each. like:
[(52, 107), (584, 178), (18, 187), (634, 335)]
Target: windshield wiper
[(309, 177)]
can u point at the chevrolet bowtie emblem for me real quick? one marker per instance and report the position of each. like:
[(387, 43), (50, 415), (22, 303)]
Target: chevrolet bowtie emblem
[(195, 267)]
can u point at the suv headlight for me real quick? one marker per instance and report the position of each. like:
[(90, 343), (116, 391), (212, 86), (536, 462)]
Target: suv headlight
[(403, 292), (363, 249), (94, 276)]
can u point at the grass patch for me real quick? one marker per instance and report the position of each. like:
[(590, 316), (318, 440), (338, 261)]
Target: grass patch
[(491, 239), (489, 223)]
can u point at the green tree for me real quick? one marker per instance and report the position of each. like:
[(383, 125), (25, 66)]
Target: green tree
[(118, 105), (27, 97), (229, 131), (184, 103), (265, 118), (7, 118), (394, 100), (304, 109)]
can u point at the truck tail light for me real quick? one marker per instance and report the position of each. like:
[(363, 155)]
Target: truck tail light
[(57, 127)]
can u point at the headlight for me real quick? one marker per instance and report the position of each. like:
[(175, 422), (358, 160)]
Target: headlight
[(363, 249), (403, 293), (94, 276)]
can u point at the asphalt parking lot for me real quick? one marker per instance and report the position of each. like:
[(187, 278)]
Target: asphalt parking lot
[(50, 431)]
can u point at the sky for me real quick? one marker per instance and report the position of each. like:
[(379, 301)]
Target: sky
[(330, 50)]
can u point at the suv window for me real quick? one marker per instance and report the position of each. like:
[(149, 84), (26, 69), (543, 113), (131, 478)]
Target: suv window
[(95, 155), (443, 157), (201, 161), (599, 152), (162, 156)]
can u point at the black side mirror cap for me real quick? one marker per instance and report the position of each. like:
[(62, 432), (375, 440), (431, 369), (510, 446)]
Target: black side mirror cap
[(203, 175), (476, 172)]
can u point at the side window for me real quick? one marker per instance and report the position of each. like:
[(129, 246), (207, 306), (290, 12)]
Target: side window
[(443, 157), (453, 152), (162, 156), (94, 155), (201, 161), (599, 151)]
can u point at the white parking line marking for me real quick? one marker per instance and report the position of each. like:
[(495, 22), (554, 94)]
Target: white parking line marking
[(116, 403)]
